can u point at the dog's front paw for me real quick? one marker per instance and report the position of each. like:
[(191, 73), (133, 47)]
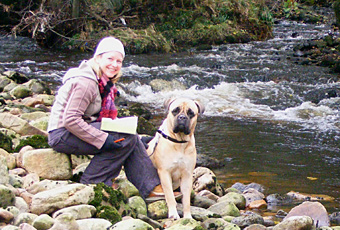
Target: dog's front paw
[(188, 215), (174, 216)]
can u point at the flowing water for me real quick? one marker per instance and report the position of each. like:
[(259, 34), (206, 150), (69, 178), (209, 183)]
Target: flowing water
[(259, 121)]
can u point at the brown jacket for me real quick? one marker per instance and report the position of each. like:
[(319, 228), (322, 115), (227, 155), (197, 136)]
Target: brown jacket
[(76, 105)]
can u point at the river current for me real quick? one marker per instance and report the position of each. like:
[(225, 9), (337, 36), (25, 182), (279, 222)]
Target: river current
[(259, 122)]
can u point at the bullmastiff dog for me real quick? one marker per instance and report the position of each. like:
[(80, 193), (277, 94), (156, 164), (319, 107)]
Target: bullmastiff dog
[(173, 151)]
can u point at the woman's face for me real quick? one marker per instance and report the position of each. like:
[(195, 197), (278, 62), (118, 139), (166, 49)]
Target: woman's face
[(110, 63)]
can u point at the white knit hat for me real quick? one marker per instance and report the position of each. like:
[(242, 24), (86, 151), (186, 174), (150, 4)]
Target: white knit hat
[(109, 44)]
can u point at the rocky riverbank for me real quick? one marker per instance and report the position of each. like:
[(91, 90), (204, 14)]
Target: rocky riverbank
[(39, 187)]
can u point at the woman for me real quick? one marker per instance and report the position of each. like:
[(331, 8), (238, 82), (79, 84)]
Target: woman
[(86, 96)]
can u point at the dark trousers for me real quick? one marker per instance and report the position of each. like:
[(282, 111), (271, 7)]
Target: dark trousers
[(105, 166)]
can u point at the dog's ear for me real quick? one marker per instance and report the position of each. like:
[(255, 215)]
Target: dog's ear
[(168, 102), (200, 107)]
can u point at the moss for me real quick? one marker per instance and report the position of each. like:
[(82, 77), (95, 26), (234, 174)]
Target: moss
[(105, 194), (6, 142), (36, 141), (109, 213)]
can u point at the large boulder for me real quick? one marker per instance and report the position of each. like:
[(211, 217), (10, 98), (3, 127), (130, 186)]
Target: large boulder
[(314, 210), (48, 164), (19, 125), (52, 200), (131, 224), (296, 223)]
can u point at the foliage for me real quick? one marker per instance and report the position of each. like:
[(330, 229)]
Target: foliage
[(36, 141), (290, 7)]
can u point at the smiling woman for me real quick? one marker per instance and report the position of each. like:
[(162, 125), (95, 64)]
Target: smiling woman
[(86, 96)]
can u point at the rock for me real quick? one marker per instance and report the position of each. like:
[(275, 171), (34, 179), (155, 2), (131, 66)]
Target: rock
[(238, 199), (158, 85), (93, 224), (247, 219), (10, 159), (7, 197), (79, 159), (33, 116), (131, 224), (314, 210), (309, 197), (241, 187), (137, 205), (15, 76), (10, 87), (155, 224), (24, 218), (219, 223), (252, 195), (37, 87), (41, 123), (29, 180), (21, 204), (48, 164), (335, 218), (47, 99), (189, 223), (54, 199), (198, 213), (225, 208), (258, 204), (43, 222), (126, 187), (25, 226), (19, 125), (82, 211), (256, 227), (158, 210), (10, 227), (14, 210), (296, 223), (32, 102), (66, 222), (4, 177), (205, 179), (40, 186), (5, 216), (20, 91), (208, 194), (202, 201), (4, 81), (20, 156)]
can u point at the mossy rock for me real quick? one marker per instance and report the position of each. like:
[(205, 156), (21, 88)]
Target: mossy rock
[(36, 141), (111, 204), (6, 142), (109, 213)]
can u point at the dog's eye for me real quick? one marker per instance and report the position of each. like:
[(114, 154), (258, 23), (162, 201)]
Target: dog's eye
[(176, 111), (191, 113)]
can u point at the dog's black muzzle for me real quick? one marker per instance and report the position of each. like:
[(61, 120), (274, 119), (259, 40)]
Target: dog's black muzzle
[(182, 124)]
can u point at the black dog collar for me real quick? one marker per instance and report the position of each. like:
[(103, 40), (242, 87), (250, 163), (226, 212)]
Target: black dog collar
[(170, 138)]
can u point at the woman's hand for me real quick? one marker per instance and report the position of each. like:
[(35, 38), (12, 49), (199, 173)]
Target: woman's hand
[(110, 144)]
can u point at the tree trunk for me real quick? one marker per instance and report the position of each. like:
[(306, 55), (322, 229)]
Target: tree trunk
[(75, 8), (336, 7)]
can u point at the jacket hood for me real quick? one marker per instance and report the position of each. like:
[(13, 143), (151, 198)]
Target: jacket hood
[(84, 70)]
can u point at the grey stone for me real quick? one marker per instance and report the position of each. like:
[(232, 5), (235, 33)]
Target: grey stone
[(7, 197), (296, 223), (225, 208), (131, 224), (82, 211), (51, 200)]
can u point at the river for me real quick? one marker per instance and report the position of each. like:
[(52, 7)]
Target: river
[(259, 122)]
